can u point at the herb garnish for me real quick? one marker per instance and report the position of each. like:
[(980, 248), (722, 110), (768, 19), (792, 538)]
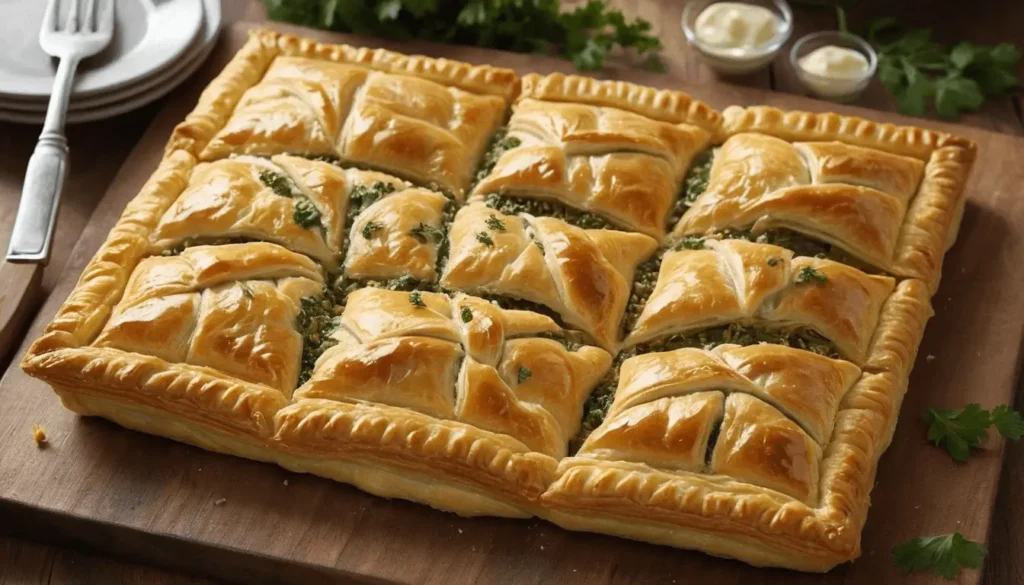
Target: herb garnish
[(484, 239), (808, 274), (371, 228), (944, 555), (515, 205), (524, 374), (315, 322), (467, 314), (584, 34), (306, 213), (362, 196), (919, 71), (960, 429), (690, 243), (495, 224), (773, 262), (277, 182), (424, 233), (416, 299), (499, 144)]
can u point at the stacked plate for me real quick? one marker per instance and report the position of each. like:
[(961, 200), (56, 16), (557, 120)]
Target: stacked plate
[(157, 44)]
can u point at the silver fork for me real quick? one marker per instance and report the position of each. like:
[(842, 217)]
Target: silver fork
[(86, 30)]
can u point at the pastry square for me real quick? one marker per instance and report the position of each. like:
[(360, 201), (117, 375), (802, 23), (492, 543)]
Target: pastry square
[(880, 196), (764, 452), (605, 153), (303, 281), (424, 120), (584, 276)]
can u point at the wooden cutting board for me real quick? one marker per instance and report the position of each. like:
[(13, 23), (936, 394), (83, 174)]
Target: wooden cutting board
[(104, 488)]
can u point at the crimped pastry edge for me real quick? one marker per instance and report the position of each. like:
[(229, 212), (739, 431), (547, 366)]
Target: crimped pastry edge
[(330, 431), (666, 105), (796, 125)]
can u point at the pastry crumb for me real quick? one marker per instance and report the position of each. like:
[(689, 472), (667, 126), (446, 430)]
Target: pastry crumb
[(286, 482), (39, 436), (929, 357), (220, 501)]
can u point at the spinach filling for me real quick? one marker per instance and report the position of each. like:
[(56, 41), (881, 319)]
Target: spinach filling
[(540, 207), (316, 322), (500, 143), (644, 279), (800, 244), (595, 409), (306, 213), (800, 337), (694, 184)]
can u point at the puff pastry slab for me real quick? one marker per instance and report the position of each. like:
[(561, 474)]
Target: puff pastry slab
[(293, 285), (891, 197), (615, 150)]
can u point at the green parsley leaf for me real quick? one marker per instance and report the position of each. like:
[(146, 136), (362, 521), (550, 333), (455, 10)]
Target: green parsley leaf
[(944, 555), (371, 228), (1008, 422), (958, 429), (484, 239), (495, 224), (957, 94), (524, 374), (467, 314), (808, 275), (773, 262), (416, 299)]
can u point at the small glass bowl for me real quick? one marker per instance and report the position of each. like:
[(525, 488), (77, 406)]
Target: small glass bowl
[(825, 87), (750, 60)]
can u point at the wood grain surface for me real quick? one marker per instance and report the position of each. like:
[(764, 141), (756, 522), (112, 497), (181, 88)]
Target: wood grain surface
[(99, 487)]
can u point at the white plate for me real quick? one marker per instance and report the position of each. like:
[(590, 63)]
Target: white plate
[(111, 110), (207, 36), (148, 36)]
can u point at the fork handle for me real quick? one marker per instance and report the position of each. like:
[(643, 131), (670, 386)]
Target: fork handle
[(44, 178)]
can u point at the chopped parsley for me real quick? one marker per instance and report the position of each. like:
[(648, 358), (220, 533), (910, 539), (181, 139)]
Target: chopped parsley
[(306, 213), (427, 233), (484, 239), (524, 374), (515, 205), (495, 224), (467, 314), (371, 228), (416, 299), (801, 338), (808, 275), (690, 243), (695, 183), (277, 182), (773, 262)]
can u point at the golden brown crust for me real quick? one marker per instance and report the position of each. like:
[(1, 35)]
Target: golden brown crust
[(666, 105), (462, 453)]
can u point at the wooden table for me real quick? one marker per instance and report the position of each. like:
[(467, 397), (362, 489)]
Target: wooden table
[(94, 167)]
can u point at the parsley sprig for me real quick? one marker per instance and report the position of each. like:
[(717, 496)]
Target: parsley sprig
[(943, 555), (919, 71), (960, 429), (584, 35)]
